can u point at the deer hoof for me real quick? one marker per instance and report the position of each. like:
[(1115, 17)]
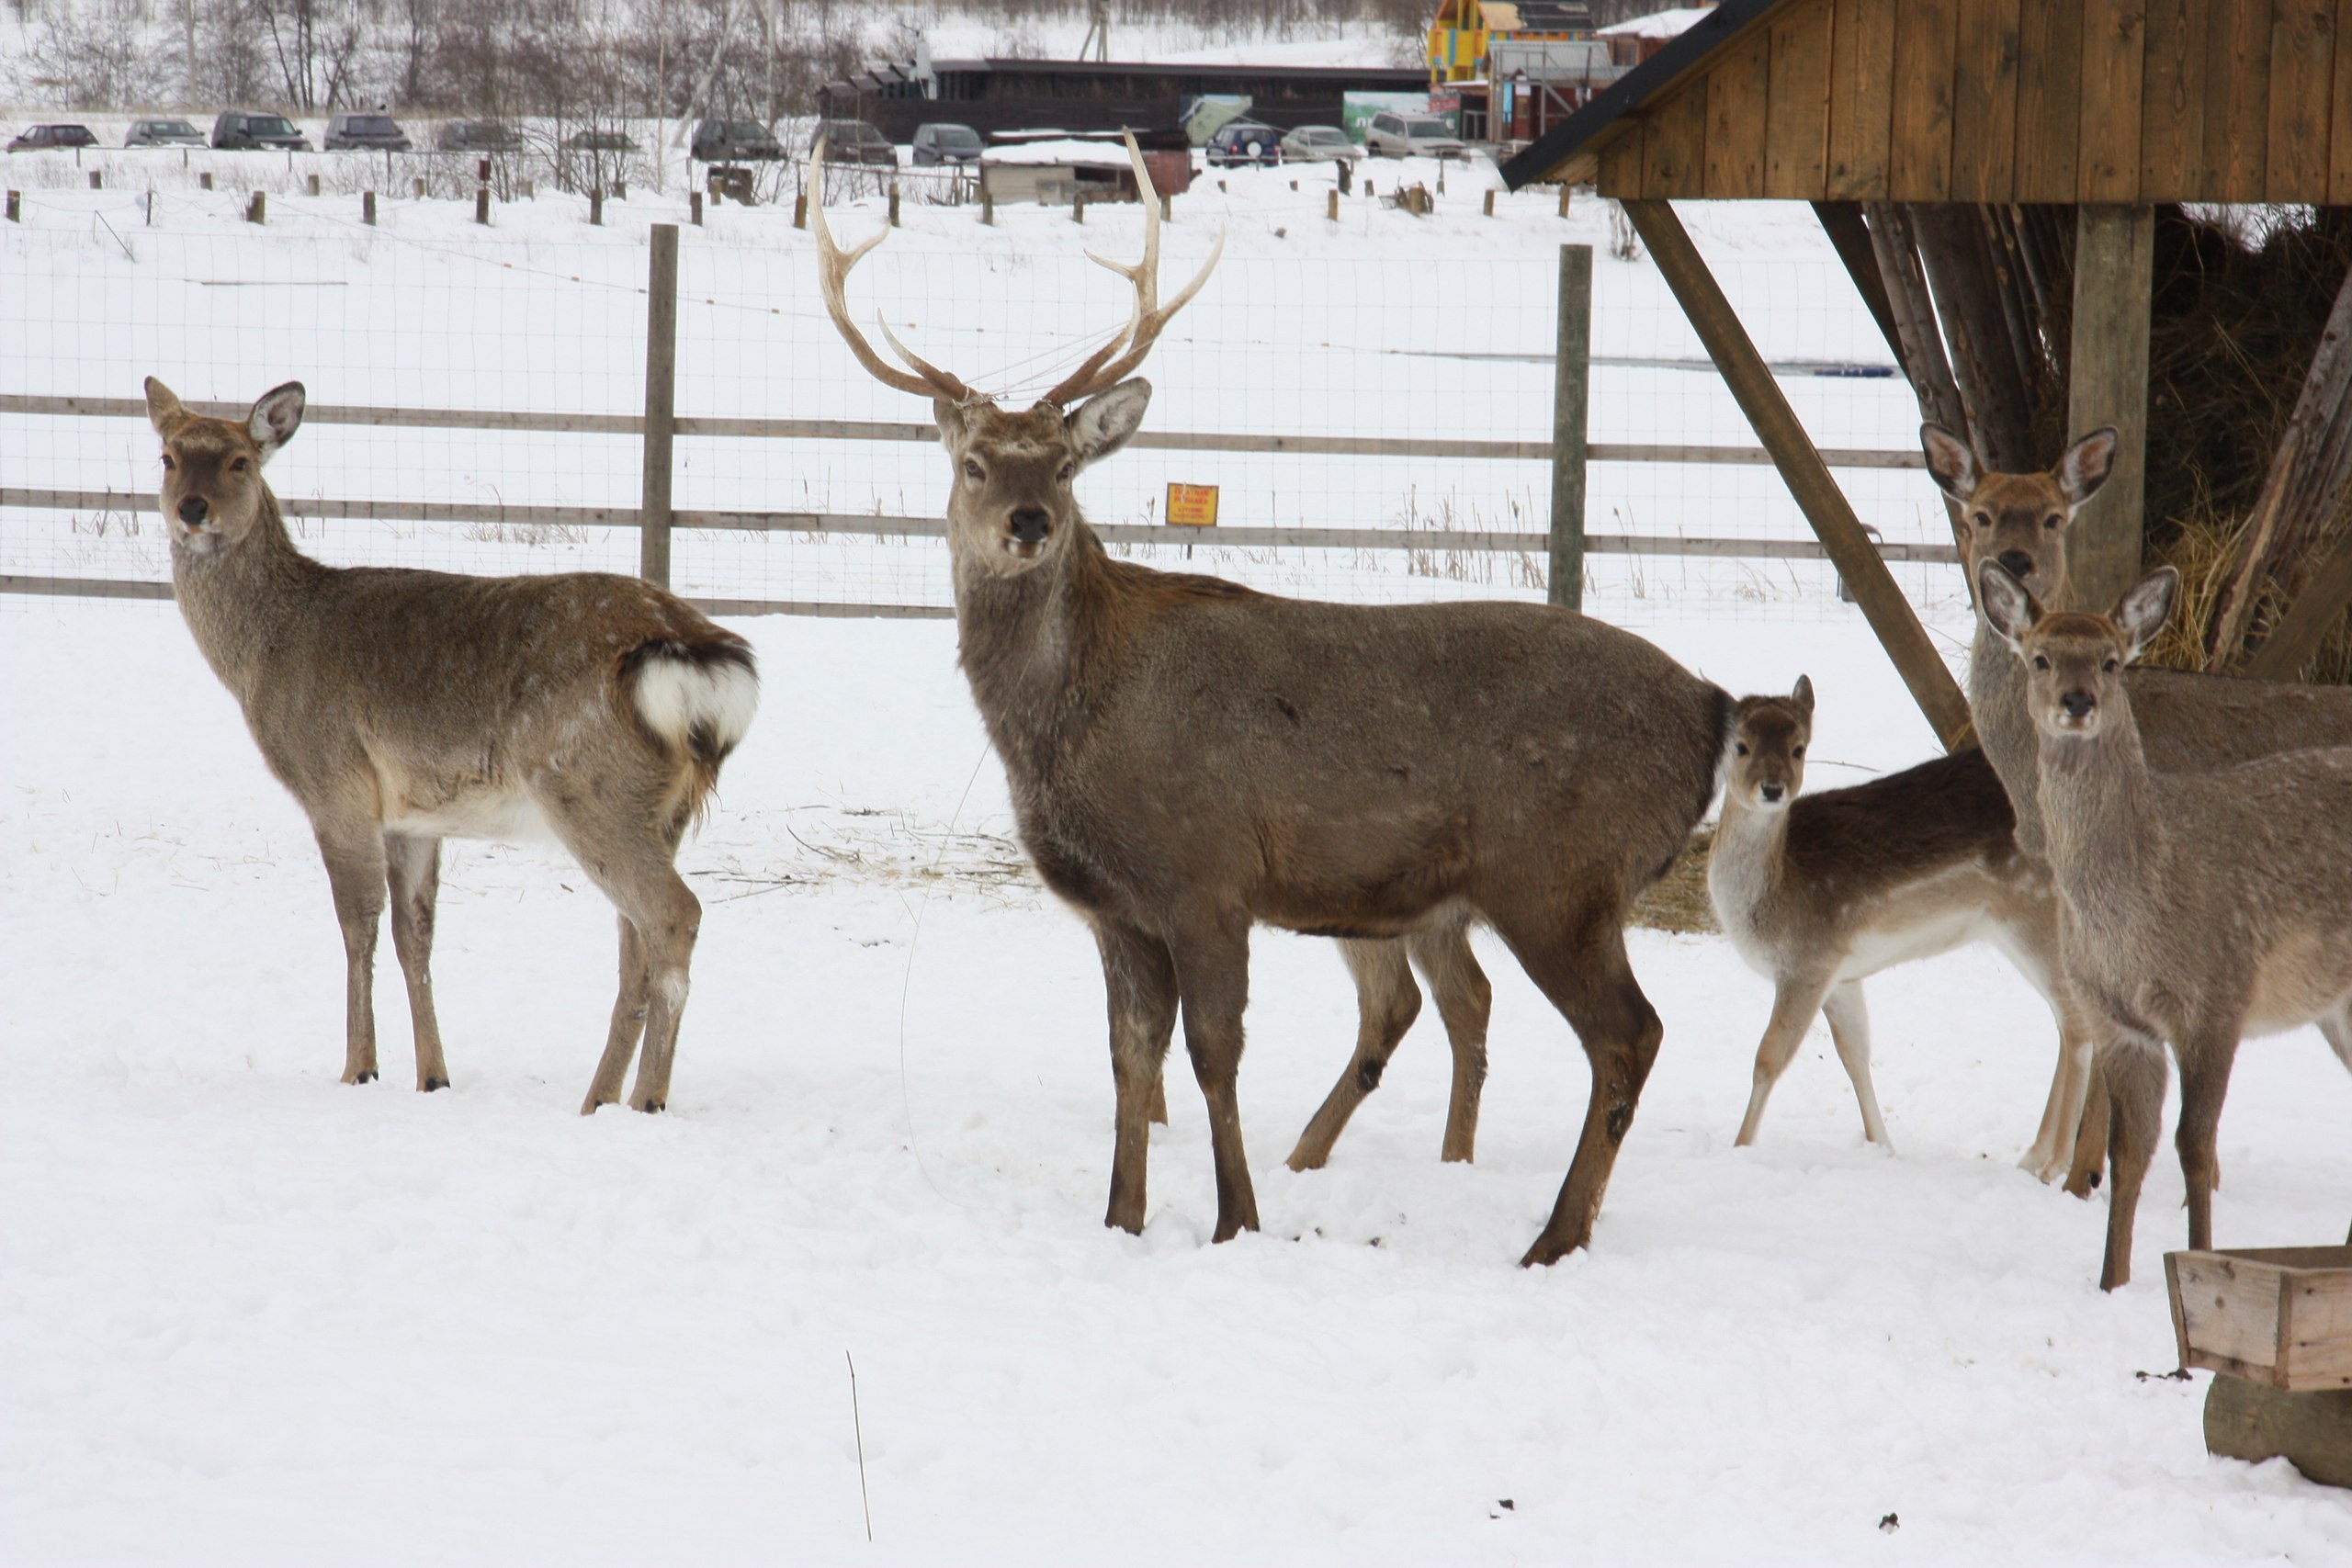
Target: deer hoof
[(429, 1085), (367, 1076)]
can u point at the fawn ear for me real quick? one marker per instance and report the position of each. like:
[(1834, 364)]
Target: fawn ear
[(2087, 464), (2146, 607), (1802, 695), (2009, 608), (161, 404), (1950, 460), (277, 417), (1103, 423)]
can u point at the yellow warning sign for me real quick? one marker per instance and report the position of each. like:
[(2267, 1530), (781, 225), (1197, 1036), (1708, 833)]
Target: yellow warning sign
[(1192, 506)]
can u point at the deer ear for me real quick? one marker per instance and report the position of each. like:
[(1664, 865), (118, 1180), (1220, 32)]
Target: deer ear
[(951, 421), (2087, 464), (1103, 423), (161, 404), (277, 417), (2146, 606), (1802, 695), (1950, 460), (2009, 608)]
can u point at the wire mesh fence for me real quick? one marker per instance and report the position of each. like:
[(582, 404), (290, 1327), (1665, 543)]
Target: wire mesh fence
[(476, 393)]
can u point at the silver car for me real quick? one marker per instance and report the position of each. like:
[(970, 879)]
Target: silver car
[(1319, 143), (1411, 136), (163, 133)]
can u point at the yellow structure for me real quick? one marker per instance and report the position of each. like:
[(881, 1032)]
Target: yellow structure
[(1460, 37)]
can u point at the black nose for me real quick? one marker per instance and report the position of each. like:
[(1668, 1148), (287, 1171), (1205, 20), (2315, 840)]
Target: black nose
[(2077, 704), (1771, 792), (2020, 564), (1029, 525), (192, 510)]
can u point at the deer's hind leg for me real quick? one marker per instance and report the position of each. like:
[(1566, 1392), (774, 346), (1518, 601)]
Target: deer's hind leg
[(1466, 1001), (413, 868), (1850, 1031), (628, 1021), (352, 844), (1387, 1003)]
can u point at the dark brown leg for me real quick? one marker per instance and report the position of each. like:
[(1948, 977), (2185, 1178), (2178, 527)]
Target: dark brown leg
[(2135, 1073), (2205, 1060), (1466, 1001), (1139, 982), (1212, 979), (2090, 1139)]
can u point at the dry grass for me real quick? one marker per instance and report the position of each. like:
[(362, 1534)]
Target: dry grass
[(1678, 901)]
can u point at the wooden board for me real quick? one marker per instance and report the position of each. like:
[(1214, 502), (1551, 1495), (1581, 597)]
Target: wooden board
[(2171, 99), (1862, 99), (1984, 101), (2237, 101), (1674, 146), (2281, 1316), (1796, 147), (1918, 165), (2310, 1431), (2049, 128), (2339, 143), (1737, 95), (2115, 34), (2303, 60), (1620, 163)]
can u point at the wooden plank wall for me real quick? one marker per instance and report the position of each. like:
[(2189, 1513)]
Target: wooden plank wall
[(2007, 100)]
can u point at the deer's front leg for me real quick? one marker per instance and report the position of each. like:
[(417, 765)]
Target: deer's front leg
[(354, 853), (1139, 986), (1212, 979), (413, 870)]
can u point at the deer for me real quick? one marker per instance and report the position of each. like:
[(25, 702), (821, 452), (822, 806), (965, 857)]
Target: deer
[(2196, 908), (1819, 892), (400, 707), (1188, 757)]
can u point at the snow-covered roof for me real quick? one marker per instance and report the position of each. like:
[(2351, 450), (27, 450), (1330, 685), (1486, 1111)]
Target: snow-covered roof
[(1068, 152), (1658, 24)]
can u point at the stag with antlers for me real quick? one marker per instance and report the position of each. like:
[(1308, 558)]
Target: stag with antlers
[(1189, 758)]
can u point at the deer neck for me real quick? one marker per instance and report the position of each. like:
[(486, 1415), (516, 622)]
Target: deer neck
[(1028, 644), (237, 601), (2107, 841), (1744, 867), (1996, 703)]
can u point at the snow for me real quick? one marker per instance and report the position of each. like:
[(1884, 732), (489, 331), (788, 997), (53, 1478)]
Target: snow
[(1064, 150), (249, 1316), (1658, 24)]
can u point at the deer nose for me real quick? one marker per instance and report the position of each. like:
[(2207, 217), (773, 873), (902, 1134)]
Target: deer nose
[(192, 510), (1771, 792), (1029, 525), (2078, 704), (2020, 564)]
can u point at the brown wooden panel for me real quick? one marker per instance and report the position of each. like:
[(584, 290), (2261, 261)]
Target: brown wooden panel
[(1919, 165), (2172, 100), (1674, 146), (2339, 120), (1985, 102), (2303, 60), (2115, 48), (2050, 86), (1621, 164), (1736, 99), (2237, 101), (1862, 99), (1796, 141)]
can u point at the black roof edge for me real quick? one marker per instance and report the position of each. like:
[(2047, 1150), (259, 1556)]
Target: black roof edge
[(1632, 90)]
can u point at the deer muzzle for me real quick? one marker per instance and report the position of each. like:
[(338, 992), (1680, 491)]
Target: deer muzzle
[(193, 511), (1029, 525)]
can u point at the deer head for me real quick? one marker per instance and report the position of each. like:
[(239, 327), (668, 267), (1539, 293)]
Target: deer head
[(2020, 520), (1766, 769), (1012, 505), (213, 484), (2074, 660)]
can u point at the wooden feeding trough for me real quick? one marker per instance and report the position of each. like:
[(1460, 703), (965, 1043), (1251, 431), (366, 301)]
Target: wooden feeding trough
[(2274, 1326)]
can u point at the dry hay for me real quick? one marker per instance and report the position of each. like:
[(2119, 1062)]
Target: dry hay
[(1678, 901)]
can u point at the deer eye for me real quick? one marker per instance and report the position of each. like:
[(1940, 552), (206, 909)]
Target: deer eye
[(239, 465), (2052, 522), (2040, 662), (1070, 472), (1740, 746), (1798, 752), (972, 471), (2111, 666), (169, 464), (1982, 519)]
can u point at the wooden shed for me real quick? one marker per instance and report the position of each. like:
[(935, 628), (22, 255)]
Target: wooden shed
[(1992, 118)]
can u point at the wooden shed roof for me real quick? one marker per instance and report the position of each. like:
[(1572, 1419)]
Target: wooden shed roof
[(1978, 100)]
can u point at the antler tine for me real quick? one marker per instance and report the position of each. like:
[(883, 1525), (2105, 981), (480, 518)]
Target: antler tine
[(832, 278), (1107, 365)]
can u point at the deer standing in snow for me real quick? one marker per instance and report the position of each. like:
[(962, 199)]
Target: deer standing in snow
[(400, 707), (1188, 757), (2197, 907)]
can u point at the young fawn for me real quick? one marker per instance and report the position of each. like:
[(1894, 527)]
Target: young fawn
[(2195, 908), (403, 706), (1819, 892)]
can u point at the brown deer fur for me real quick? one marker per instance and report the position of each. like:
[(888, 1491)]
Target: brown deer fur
[(2197, 907), (1817, 892), (401, 706)]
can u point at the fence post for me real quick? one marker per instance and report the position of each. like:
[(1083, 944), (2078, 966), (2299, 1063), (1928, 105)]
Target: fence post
[(368, 207), (661, 405), (204, 180), (1331, 206), (596, 207), (894, 204), (1571, 400), (97, 179), (418, 184), (16, 206), (988, 205), (694, 207), (257, 210), (314, 184)]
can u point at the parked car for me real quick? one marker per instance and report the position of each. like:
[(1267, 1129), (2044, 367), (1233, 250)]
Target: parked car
[(600, 142), (1412, 136), (856, 141), (937, 143), (363, 133), (1244, 141), (735, 141), (163, 133), (243, 130), (44, 138), (479, 136), (1319, 143)]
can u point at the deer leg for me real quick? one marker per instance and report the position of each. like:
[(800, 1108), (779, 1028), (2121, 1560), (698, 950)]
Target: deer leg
[(1212, 982), (413, 867), (2205, 1059), (2062, 1113), (1466, 1001), (628, 1021), (1850, 1031), (1581, 967), (354, 853), (1139, 983), (2134, 1070), (1795, 1000), (2090, 1137), (2337, 1029), (1387, 1003)]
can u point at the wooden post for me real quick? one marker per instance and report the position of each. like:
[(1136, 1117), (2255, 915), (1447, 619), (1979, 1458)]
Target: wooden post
[(2313, 1432), (257, 209), (16, 206), (482, 204), (597, 207), (418, 184), (1564, 198), (1078, 208), (1490, 201), (97, 179), (660, 405), (204, 180), (1347, 175), (2308, 620), (694, 207), (1331, 206), (894, 204), (620, 190), (2108, 384), (1167, 208), (148, 207), (1808, 478), (314, 184), (1571, 404), (368, 207), (800, 210), (1850, 237), (987, 206)]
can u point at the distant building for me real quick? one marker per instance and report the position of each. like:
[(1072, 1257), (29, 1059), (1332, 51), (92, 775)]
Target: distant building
[(1636, 38), (1516, 67), (1463, 35)]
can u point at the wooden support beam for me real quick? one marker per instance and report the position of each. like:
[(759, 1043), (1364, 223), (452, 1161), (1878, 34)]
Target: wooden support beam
[(2308, 620), (1824, 504), (2108, 384), (1842, 221)]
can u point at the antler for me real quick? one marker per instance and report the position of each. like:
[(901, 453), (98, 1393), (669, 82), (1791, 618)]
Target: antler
[(832, 277), (1108, 365)]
